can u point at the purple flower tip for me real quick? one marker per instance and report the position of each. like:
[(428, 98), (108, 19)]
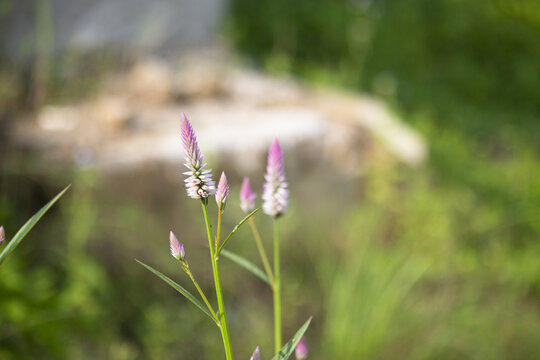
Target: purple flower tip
[(199, 184), (222, 192), (275, 193), (247, 196), (302, 349), (275, 155), (2, 235), (177, 249), (256, 354)]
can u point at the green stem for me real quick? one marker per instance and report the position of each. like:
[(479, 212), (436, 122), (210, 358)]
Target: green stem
[(222, 317), (262, 252), (188, 272), (218, 237), (277, 290)]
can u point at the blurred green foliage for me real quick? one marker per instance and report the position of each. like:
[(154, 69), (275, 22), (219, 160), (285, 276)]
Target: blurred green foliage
[(466, 75), (437, 262)]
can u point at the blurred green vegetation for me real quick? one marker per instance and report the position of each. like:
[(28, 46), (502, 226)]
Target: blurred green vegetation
[(445, 260), (436, 262)]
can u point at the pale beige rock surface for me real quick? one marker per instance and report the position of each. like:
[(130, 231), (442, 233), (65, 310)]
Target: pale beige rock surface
[(135, 120)]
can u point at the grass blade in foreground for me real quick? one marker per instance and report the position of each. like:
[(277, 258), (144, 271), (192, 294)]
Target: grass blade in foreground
[(289, 347), (180, 289), (23, 231), (235, 229), (248, 265)]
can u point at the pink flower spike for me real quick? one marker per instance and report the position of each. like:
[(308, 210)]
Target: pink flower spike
[(256, 354), (247, 196), (302, 349), (275, 193), (199, 184), (222, 192), (2, 235), (177, 249)]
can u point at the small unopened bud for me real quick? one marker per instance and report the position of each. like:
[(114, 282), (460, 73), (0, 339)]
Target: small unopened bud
[(302, 349), (2, 235), (177, 249), (222, 192), (247, 196), (256, 354)]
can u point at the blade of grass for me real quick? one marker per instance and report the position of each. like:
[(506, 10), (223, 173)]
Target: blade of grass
[(235, 229), (289, 347), (23, 231), (181, 290), (248, 265)]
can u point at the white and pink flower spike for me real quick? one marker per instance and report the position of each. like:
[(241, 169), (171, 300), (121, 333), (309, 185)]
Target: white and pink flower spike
[(199, 184), (275, 193), (247, 196), (177, 249), (302, 349), (256, 354)]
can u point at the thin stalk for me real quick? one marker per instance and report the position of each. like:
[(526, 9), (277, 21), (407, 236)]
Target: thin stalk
[(262, 252), (277, 290), (218, 238), (222, 317), (188, 272)]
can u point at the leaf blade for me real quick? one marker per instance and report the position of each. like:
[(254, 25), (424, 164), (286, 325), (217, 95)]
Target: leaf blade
[(236, 228), (180, 289), (23, 231), (289, 347), (246, 264)]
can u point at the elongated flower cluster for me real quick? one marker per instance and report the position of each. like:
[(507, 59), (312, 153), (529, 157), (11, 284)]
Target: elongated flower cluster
[(2, 235), (177, 249), (199, 184), (301, 350), (275, 193), (222, 193), (247, 196), (256, 354)]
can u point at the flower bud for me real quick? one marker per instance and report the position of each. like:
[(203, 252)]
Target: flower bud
[(256, 354), (222, 192), (177, 249), (301, 350), (2, 235), (247, 196)]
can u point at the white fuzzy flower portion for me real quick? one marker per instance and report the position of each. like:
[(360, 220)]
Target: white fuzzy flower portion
[(199, 184)]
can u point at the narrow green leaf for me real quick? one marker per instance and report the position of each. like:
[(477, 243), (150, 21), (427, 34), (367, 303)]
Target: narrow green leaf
[(289, 347), (236, 228), (28, 226), (247, 265), (180, 289)]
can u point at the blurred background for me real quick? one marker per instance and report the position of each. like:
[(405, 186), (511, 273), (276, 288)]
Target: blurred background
[(411, 134)]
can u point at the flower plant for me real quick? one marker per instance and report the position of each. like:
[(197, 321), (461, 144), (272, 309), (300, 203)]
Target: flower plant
[(201, 187)]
